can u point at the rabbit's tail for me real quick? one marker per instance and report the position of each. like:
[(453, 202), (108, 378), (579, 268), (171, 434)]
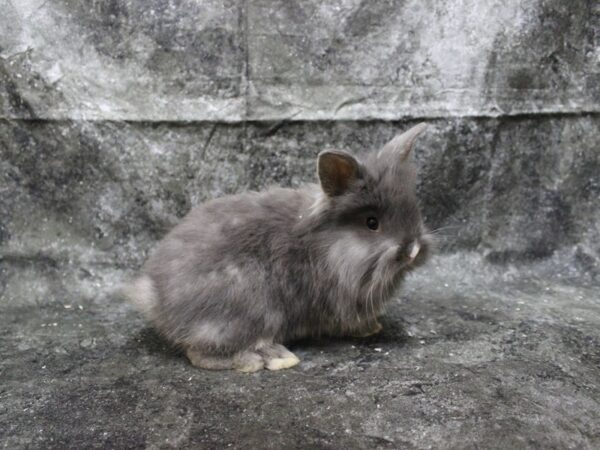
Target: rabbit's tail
[(142, 293)]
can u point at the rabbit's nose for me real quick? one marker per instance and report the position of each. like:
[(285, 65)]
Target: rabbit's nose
[(408, 251), (413, 249)]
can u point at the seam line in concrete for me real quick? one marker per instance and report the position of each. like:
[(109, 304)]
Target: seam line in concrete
[(408, 118)]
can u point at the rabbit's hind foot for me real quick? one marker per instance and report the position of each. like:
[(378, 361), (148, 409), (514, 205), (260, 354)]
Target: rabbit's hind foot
[(245, 361), (276, 356), (265, 355)]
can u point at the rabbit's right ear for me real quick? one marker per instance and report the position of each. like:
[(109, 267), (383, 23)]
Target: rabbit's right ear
[(337, 171)]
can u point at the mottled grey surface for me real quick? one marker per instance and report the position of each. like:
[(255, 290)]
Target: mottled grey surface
[(278, 59), (116, 117), (471, 357)]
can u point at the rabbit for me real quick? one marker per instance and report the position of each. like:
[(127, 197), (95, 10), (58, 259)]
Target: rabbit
[(244, 274)]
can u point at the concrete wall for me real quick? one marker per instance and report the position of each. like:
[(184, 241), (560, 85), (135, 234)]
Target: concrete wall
[(117, 116), (230, 61)]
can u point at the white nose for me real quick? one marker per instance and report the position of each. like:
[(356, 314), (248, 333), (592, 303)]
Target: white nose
[(414, 251)]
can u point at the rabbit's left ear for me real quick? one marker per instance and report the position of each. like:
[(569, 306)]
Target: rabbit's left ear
[(399, 148), (337, 171)]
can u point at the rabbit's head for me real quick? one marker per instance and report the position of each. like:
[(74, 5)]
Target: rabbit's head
[(367, 218)]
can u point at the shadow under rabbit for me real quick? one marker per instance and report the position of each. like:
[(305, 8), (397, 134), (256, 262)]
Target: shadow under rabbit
[(152, 342)]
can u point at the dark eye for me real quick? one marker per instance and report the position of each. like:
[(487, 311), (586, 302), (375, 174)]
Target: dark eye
[(372, 223)]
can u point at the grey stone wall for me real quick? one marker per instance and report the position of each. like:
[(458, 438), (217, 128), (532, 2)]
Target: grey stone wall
[(118, 116), (230, 61)]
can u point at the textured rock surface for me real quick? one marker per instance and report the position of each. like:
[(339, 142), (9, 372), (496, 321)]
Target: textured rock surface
[(116, 117), (478, 356), (258, 59)]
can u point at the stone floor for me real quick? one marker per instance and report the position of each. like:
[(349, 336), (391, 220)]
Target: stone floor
[(473, 355), (109, 138)]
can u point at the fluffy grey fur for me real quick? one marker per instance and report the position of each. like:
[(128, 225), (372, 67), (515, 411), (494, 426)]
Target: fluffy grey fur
[(242, 274)]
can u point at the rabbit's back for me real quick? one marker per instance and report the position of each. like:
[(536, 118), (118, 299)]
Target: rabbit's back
[(210, 278)]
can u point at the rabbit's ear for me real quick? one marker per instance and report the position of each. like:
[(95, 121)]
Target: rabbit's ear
[(399, 148), (337, 171)]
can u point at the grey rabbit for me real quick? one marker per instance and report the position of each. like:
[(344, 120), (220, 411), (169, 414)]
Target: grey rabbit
[(243, 274)]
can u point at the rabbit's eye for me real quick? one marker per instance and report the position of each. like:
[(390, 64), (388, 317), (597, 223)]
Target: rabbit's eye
[(372, 223)]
